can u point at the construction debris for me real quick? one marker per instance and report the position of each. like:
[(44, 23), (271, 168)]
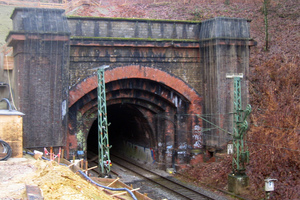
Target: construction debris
[(55, 181)]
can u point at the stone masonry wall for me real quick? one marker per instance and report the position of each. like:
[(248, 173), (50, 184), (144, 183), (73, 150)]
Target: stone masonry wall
[(167, 45), (132, 28)]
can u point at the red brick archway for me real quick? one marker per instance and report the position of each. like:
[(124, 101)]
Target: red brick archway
[(135, 71), (82, 100)]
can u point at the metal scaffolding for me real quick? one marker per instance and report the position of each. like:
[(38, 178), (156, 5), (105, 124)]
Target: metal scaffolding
[(103, 143), (240, 150)]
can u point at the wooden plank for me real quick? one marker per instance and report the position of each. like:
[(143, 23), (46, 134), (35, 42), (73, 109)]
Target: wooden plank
[(121, 193), (119, 184), (107, 181), (90, 168), (8, 63), (113, 182)]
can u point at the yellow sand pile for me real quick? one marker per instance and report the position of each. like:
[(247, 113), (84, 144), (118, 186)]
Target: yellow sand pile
[(54, 180), (59, 182)]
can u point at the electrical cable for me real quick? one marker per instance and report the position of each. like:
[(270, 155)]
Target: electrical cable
[(272, 146), (9, 84), (6, 149), (217, 127), (265, 126), (105, 187), (90, 180)]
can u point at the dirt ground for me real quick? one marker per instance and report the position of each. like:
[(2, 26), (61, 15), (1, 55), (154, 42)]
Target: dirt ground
[(55, 181)]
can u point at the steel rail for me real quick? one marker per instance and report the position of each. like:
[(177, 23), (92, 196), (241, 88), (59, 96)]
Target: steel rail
[(175, 187)]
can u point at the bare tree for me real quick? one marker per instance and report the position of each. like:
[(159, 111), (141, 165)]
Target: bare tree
[(266, 5)]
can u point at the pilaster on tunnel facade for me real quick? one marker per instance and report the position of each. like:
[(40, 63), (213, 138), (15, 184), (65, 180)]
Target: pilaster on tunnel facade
[(40, 41), (225, 49)]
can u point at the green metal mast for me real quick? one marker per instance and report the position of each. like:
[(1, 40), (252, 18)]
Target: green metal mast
[(240, 150), (103, 144)]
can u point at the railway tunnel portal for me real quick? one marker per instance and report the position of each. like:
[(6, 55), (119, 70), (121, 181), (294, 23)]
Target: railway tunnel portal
[(144, 114), (165, 78)]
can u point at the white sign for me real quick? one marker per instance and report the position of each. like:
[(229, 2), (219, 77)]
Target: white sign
[(233, 75), (229, 148)]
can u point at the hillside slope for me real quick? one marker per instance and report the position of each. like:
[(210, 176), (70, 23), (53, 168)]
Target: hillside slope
[(5, 22), (274, 134)]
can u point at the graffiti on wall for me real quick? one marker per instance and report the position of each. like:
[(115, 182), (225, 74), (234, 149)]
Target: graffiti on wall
[(197, 137)]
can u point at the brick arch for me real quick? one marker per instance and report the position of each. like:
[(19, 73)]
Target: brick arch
[(135, 71)]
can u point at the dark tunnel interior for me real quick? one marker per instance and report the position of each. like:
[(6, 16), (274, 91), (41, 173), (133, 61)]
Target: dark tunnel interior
[(126, 123)]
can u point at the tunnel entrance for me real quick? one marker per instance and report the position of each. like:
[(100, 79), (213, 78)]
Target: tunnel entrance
[(127, 127), (150, 121)]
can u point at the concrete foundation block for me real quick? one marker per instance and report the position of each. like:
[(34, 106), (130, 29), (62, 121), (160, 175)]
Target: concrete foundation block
[(237, 183)]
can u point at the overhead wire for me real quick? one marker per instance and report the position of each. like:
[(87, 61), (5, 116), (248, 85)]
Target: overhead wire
[(216, 126), (217, 116), (250, 142), (256, 125), (267, 145)]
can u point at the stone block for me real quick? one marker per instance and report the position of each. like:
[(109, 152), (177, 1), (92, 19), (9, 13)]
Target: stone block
[(225, 27), (33, 193), (39, 20)]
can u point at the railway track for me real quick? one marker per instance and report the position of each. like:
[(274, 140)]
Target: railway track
[(169, 184), (181, 190)]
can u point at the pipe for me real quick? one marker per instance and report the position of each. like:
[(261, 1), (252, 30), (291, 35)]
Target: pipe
[(89, 179), (8, 103), (105, 187), (4, 84)]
